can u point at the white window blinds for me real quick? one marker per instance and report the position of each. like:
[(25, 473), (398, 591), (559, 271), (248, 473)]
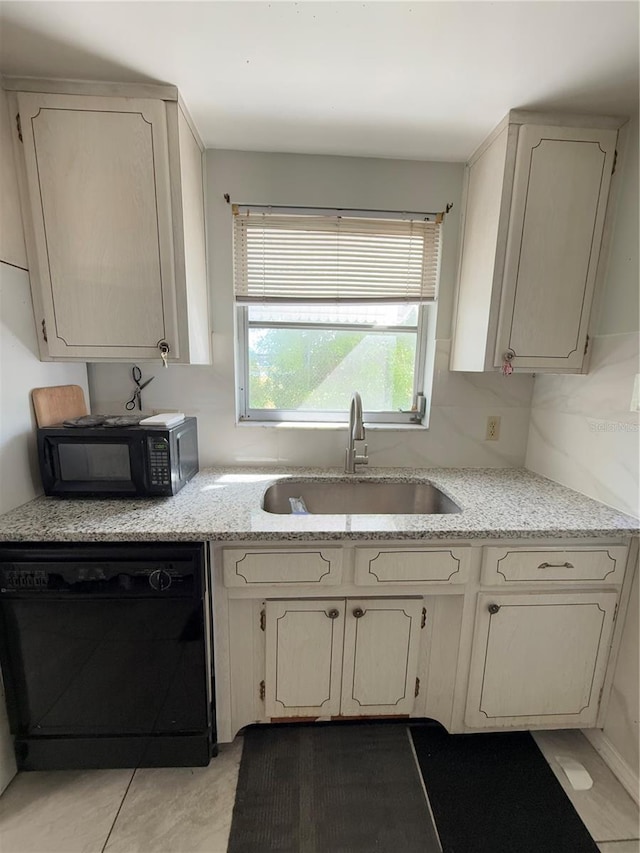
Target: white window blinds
[(292, 257)]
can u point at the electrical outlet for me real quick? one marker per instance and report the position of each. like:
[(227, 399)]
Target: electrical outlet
[(493, 428)]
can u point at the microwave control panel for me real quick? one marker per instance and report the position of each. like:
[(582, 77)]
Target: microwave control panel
[(159, 469)]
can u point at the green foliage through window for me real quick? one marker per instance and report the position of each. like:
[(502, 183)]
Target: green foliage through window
[(317, 369)]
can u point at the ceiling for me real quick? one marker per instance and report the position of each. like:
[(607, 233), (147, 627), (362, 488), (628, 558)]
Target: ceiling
[(417, 80)]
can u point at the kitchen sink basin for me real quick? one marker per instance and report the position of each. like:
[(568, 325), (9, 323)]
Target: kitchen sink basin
[(358, 497)]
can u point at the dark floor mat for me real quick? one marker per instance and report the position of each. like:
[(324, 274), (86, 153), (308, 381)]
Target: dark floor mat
[(495, 793), (330, 789)]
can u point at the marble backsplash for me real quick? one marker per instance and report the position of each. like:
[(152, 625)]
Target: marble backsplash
[(461, 404), (583, 432)]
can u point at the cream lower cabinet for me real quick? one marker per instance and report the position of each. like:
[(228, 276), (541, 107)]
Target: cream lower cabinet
[(341, 657), (304, 657), (539, 659), (514, 635)]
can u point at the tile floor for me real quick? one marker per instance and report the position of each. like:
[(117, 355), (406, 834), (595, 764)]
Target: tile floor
[(172, 810), (188, 810), (606, 809)]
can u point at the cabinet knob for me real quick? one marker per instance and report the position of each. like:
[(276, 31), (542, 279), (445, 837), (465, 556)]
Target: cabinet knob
[(333, 614), (358, 612), (493, 608)]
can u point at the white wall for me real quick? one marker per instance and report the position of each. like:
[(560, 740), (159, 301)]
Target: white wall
[(582, 431), (20, 371), (621, 723), (461, 402), (584, 435)]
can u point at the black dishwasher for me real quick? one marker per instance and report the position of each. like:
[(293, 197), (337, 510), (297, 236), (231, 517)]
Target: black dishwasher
[(106, 654)]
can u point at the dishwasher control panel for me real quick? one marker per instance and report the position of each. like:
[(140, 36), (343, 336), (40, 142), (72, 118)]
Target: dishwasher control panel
[(123, 577)]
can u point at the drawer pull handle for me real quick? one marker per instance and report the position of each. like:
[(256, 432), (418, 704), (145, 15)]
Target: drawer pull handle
[(333, 614), (358, 612), (555, 566), (493, 608)]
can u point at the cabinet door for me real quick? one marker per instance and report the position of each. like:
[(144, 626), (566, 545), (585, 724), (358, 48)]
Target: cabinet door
[(304, 657), (101, 254), (539, 659), (380, 656), (560, 191)]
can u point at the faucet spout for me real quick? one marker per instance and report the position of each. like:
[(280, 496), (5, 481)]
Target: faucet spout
[(356, 426), (356, 433)]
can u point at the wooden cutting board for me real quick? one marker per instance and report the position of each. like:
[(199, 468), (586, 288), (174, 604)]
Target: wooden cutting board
[(57, 403)]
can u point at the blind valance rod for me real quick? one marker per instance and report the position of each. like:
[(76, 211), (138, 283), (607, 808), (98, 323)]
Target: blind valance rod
[(245, 209)]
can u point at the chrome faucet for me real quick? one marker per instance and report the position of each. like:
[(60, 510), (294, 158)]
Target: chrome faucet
[(356, 433)]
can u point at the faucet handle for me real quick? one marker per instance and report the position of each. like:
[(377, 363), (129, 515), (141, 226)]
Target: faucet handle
[(364, 459)]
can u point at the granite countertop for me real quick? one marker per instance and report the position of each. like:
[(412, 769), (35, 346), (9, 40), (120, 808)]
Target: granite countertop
[(225, 504)]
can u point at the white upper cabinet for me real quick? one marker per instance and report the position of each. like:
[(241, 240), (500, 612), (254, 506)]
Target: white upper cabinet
[(535, 203), (112, 192)]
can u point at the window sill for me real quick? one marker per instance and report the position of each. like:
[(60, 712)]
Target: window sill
[(314, 425)]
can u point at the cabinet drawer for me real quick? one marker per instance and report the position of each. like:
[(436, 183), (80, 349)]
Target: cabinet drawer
[(545, 565), (411, 565), (322, 567)]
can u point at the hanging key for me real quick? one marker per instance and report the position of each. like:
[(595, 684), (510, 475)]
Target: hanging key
[(507, 367), (165, 349)]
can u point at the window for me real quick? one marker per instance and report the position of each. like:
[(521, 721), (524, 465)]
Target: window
[(329, 304)]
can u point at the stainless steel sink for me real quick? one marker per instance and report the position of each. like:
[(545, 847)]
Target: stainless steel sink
[(358, 497)]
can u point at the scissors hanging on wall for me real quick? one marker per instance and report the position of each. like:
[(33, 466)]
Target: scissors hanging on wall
[(136, 373)]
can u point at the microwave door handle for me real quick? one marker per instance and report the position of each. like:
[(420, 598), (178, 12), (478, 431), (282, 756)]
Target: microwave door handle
[(48, 470), (48, 459)]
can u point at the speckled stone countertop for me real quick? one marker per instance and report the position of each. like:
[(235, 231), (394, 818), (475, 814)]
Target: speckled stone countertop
[(225, 504)]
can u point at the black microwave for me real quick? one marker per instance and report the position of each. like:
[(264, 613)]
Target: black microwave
[(113, 461)]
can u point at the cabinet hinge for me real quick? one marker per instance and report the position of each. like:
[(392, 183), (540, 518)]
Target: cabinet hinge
[(417, 690), (600, 695), (586, 345), (44, 331), (262, 690), (263, 619), (19, 126), (424, 617), (615, 161)]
